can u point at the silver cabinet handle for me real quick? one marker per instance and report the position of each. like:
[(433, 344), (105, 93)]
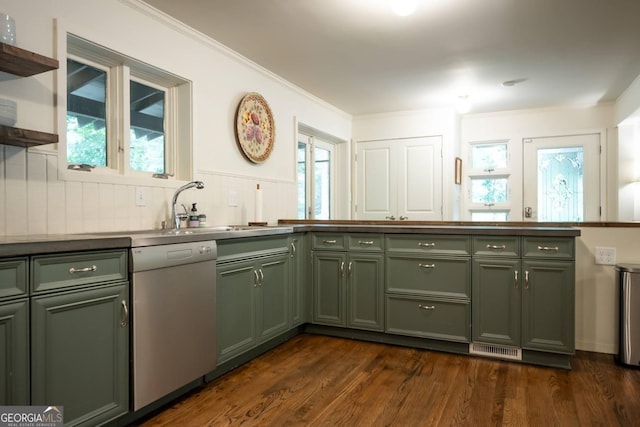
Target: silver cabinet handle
[(427, 265), (293, 247), (426, 307), (74, 270), (426, 245), (526, 279), (329, 242), (342, 268), (390, 217), (261, 277), (350, 268), (496, 246), (365, 242), (124, 319), (548, 248), (402, 218), (515, 279), (256, 278)]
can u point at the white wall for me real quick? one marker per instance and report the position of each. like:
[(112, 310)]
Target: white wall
[(34, 201)]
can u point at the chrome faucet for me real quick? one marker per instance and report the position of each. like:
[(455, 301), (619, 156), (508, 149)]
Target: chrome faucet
[(176, 217)]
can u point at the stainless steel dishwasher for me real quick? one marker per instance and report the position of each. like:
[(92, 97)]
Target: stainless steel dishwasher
[(174, 330)]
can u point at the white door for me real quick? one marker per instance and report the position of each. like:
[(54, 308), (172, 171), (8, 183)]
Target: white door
[(561, 178), (420, 179), (399, 179), (376, 175)]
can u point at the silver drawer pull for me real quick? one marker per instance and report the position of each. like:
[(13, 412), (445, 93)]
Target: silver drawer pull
[(426, 245), (426, 307), (365, 242), (548, 248), (427, 265), (329, 242), (496, 247), (74, 270)]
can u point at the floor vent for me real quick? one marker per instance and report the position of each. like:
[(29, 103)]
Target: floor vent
[(493, 350)]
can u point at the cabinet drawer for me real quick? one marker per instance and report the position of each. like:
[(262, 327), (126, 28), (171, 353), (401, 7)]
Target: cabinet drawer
[(51, 272), (329, 241), (445, 277), (429, 243), (365, 242), (13, 277), (548, 247), (428, 318), (250, 247), (496, 246)]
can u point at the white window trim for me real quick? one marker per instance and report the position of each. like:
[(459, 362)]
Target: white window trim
[(178, 113)]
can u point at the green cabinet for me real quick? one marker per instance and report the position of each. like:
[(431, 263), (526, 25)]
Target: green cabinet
[(80, 357), (298, 254), (80, 334), (348, 281), (14, 332), (14, 352), (428, 286), (252, 302), (524, 302)]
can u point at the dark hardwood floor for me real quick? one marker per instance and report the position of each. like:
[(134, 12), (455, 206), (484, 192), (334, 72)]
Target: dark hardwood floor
[(315, 380)]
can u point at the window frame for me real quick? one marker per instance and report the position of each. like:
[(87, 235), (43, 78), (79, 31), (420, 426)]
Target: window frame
[(121, 69), (311, 142), (472, 173)]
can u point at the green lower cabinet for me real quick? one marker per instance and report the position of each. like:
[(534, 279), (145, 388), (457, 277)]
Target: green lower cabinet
[(496, 306), (348, 290), (548, 301), (80, 353), (14, 353), (252, 304), (298, 254), (527, 304)]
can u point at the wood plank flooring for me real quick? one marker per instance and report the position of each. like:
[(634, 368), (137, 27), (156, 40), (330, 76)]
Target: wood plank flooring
[(315, 380)]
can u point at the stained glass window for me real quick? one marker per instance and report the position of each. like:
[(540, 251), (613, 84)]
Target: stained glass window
[(561, 184)]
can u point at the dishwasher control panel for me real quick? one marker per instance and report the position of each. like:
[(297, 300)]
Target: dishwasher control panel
[(162, 256)]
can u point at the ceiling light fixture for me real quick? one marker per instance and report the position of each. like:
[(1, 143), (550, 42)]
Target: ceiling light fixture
[(403, 7), (464, 104)]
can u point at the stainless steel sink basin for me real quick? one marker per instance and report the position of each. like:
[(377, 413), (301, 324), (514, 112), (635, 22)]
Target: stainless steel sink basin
[(207, 230)]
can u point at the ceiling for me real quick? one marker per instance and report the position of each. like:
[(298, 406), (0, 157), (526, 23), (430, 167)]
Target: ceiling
[(360, 57)]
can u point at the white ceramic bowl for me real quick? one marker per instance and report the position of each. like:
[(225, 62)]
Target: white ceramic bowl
[(7, 29)]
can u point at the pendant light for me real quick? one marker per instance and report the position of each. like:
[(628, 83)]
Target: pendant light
[(403, 7)]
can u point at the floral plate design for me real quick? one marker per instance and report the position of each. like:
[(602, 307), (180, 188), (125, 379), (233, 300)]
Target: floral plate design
[(255, 129)]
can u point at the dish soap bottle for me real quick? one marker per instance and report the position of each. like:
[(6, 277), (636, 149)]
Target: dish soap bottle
[(194, 219)]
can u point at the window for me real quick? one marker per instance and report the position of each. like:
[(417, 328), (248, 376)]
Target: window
[(316, 172), (489, 181), (125, 117)]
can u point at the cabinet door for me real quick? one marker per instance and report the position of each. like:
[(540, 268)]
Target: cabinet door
[(365, 288), (328, 288), (80, 353), (495, 301), (376, 173), (272, 308), (14, 353), (297, 279), (236, 286), (548, 319)]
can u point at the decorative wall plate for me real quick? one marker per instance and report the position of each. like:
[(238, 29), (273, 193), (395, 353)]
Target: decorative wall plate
[(255, 129)]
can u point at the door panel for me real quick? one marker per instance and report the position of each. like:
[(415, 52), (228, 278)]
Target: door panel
[(561, 178), (420, 183), (375, 180)]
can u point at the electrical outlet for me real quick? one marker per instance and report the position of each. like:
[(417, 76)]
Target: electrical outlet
[(605, 256)]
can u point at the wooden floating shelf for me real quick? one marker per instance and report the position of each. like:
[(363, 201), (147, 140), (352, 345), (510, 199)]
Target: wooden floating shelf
[(24, 63), (25, 138)]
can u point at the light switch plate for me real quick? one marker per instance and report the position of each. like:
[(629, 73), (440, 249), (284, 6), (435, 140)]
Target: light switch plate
[(141, 196), (233, 198), (605, 256)]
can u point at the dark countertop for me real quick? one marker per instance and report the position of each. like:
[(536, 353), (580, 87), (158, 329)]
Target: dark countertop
[(485, 230), (11, 246)]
